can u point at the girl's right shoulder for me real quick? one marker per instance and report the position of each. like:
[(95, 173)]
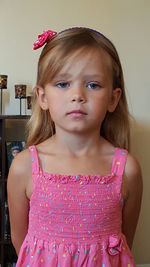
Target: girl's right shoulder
[(20, 177), (22, 164)]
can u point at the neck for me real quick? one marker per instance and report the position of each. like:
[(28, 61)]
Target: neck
[(78, 145)]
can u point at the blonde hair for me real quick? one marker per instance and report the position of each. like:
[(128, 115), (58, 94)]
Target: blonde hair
[(115, 127)]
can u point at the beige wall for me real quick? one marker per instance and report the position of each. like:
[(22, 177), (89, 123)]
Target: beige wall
[(127, 24)]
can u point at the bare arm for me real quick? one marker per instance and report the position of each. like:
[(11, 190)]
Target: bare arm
[(132, 205), (18, 201)]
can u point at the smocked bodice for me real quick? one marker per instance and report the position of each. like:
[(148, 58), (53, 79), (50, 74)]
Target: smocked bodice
[(81, 208)]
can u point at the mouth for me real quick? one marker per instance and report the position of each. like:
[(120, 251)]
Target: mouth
[(76, 114), (77, 111)]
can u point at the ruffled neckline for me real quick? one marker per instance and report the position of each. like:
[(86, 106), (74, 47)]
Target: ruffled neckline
[(79, 179)]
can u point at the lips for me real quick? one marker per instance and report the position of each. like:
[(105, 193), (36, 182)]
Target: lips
[(77, 111)]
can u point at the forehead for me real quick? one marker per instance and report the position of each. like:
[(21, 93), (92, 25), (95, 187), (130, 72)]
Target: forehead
[(60, 61), (87, 60)]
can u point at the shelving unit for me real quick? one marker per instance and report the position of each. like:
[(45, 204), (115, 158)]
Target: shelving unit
[(12, 129)]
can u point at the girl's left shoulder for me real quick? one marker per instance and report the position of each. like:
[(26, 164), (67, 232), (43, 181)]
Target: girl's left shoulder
[(132, 167), (133, 173), (132, 194)]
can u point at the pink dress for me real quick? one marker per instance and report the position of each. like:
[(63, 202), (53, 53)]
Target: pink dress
[(75, 221)]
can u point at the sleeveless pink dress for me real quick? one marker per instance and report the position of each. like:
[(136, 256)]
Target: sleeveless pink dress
[(75, 221)]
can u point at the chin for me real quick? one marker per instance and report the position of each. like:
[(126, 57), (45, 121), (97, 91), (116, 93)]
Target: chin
[(79, 130)]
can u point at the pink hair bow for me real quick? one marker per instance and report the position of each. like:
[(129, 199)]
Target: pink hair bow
[(115, 245), (43, 38)]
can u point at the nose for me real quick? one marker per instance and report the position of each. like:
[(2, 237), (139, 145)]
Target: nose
[(78, 99), (78, 96)]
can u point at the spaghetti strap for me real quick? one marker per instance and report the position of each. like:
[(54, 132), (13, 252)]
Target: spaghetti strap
[(119, 161), (35, 160)]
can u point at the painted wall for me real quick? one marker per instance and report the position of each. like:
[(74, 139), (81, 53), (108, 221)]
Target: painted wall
[(127, 24)]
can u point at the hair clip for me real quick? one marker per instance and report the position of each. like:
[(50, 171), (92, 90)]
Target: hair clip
[(43, 38)]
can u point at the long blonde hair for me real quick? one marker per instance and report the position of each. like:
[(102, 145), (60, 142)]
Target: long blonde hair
[(115, 127)]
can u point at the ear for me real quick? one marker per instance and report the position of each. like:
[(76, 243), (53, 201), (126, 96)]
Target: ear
[(40, 92), (115, 97)]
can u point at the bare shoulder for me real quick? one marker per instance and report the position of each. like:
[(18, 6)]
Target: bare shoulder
[(22, 162), (132, 193), (20, 169), (18, 197), (133, 168), (133, 174)]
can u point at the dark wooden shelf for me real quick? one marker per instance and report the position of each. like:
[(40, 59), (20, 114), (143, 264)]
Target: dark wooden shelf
[(14, 116)]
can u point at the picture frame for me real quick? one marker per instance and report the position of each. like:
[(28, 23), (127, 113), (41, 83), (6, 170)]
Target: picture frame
[(20, 91), (13, 148)]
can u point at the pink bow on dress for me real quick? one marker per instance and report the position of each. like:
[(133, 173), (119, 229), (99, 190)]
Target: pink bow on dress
[(115, 245), (43, 38)]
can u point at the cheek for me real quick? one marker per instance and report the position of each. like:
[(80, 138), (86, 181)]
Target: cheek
[(100, 107), (55, 109), (100, 102)]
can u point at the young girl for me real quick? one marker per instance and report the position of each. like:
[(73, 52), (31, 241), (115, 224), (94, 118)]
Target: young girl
[(75, 193)]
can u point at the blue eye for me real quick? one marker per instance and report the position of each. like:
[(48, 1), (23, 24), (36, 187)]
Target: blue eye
[(62, 85), (93, 85)]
